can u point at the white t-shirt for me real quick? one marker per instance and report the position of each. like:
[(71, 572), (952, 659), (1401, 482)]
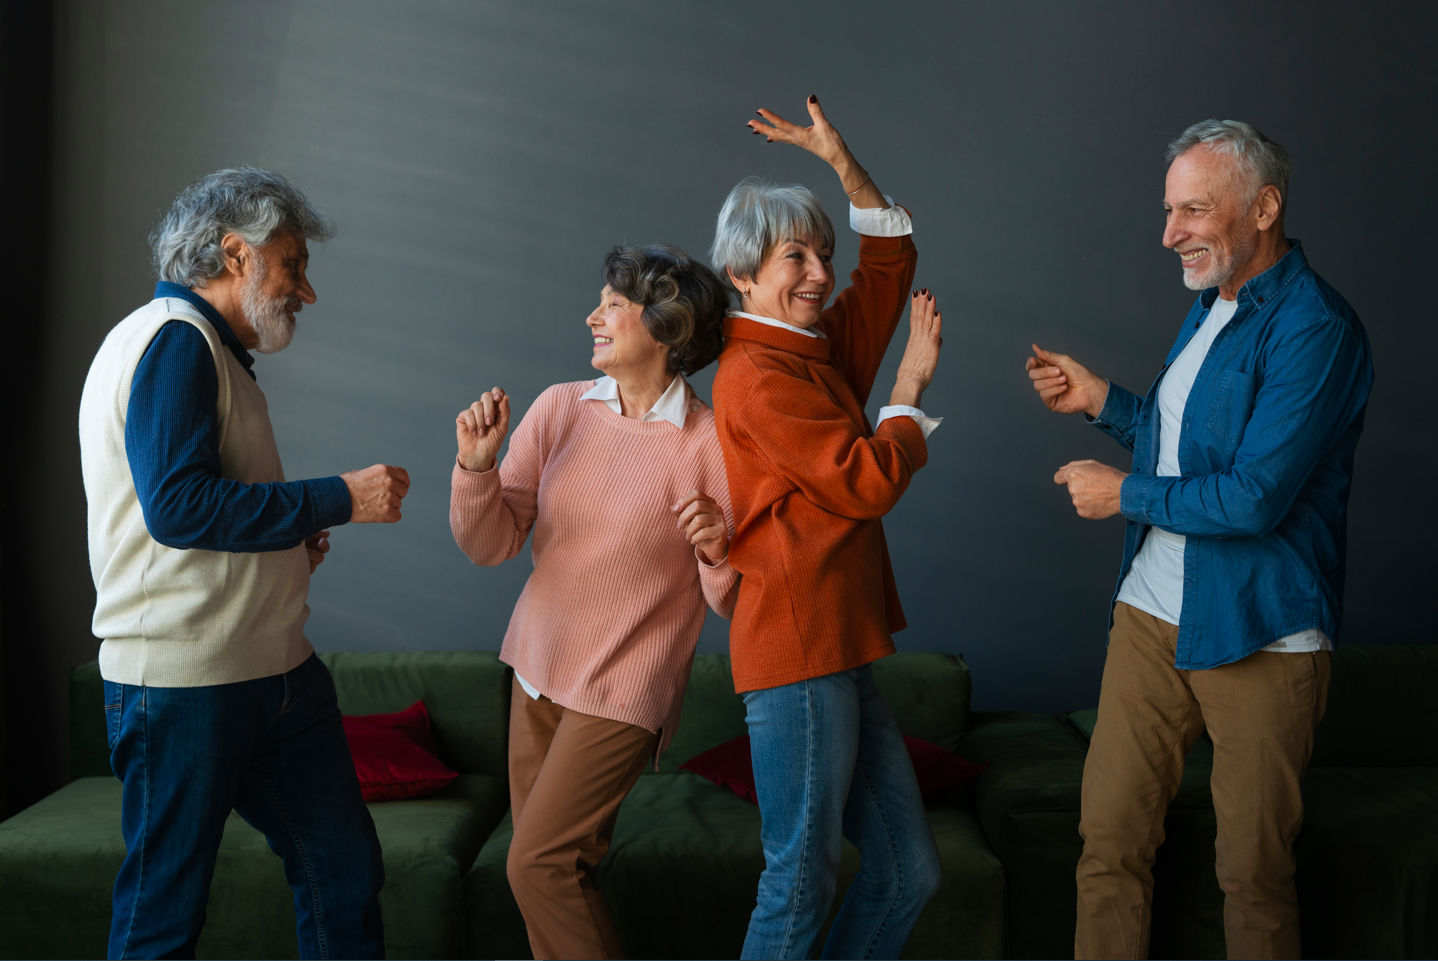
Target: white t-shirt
[(1155, 581)]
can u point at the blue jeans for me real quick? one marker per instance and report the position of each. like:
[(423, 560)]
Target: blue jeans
[(272, 749), (830, 763)]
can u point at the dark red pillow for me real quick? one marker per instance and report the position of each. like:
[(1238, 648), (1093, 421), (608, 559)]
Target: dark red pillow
[(940, 772), (394, 754)]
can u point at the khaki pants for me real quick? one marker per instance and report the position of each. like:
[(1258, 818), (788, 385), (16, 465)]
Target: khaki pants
[(1260, 713), (568, 773)]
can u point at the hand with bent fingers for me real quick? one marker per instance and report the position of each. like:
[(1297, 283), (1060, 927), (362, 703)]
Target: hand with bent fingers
[(921, 354), (1094, 487), (317, 546), (824, 142), (1064, 385), (481, 430), (703, 524), (376, 492)]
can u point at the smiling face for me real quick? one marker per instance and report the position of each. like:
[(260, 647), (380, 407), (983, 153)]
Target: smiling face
[(623, 346), (1213, 225), (792, 285), (274, 289)]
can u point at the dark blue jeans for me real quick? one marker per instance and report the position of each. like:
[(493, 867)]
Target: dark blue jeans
[(272, 749)]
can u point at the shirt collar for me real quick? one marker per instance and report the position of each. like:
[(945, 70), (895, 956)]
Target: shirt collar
[(1268, 284), (673, 404), (776, 323), (207, 310)]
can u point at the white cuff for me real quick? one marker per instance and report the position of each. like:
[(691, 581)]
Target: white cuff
[(878, 222), (925, 422)]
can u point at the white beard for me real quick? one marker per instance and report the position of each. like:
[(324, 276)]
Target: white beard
[(1220, 270), (271, 318)]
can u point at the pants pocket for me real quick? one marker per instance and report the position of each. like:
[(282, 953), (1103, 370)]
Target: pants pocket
[(114, 710)]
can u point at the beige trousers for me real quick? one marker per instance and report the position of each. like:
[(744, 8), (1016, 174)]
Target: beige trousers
[(1260, 713), (568, 773)]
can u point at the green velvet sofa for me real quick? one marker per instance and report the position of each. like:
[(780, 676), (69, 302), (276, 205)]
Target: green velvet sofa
[(680, 877), (1367, 855)]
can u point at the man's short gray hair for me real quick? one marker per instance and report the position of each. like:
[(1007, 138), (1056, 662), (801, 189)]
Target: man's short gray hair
[(1263, 161), (256, 204), (759, 215)]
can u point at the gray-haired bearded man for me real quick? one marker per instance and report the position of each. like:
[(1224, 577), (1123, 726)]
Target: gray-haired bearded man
[(1231, 590), (201, 553)]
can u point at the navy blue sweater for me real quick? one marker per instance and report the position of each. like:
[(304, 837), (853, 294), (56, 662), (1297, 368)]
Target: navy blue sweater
[(172, 441)]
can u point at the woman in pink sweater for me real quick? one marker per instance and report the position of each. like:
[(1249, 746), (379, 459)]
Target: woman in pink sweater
[(622, 480)]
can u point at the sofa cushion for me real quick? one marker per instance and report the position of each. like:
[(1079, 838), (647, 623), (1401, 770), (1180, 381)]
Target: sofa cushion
[(1368, 862), (58, 861), (927, 692), (684, 867), (1380, 710), (466, 693), (394, 754)]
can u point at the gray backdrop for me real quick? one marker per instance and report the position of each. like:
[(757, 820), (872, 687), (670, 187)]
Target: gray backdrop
[(480, 158)]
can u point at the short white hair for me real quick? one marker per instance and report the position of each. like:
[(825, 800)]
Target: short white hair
[(756, 217), (254, 203), (1262, 161)]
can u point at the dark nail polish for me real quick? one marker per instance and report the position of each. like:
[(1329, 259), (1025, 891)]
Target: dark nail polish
[(813, 98)]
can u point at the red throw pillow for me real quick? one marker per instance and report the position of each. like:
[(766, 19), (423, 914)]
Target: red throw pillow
[(940, 772), (394, 754)]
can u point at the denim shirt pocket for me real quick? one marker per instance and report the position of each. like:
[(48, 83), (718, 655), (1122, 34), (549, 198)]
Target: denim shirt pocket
[(114, 710), (1232, 405)]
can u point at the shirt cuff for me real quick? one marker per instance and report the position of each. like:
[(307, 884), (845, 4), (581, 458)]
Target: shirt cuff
[(878, 222), (333, 504), (707, 564), (925, 422), (1108, 398)]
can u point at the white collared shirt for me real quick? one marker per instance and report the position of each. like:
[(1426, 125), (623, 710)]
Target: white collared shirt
[(672, 405)]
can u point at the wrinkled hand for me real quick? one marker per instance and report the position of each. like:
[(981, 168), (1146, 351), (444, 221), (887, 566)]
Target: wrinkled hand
[(317, 546), (1094, 487), (1064, 385), (921, 354), (481, 430), (376, 492), (821, 140), (703, 524)]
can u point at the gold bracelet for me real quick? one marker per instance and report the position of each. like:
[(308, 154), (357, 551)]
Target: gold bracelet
[(860, 187)]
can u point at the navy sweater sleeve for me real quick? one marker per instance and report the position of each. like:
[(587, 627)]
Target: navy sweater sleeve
[(172, 441)]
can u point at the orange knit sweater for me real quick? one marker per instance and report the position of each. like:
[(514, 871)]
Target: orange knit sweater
[(810, 480), (606, 624)]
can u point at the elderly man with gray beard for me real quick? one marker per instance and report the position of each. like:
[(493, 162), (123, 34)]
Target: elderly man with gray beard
[(202, 553), (1230, 594)]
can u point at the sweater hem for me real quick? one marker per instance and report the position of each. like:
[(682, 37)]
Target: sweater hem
[(744, 683)]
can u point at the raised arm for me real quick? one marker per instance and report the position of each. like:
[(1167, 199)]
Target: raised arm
[(491, 510)]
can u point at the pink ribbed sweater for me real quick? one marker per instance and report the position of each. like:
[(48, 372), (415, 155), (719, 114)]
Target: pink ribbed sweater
[(608, 620)]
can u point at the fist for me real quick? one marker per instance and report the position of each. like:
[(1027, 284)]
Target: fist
[(480, 430), (375, 493), (317, 546), (703, 524), (1094, 487), (1064, 385)]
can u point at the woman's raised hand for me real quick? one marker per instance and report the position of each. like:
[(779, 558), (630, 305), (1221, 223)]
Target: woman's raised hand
[(481, 429), (921, 354), (702, 522), (824, 142)]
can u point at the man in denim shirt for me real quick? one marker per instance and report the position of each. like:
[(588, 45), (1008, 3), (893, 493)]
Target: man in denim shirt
[(1231, 590)]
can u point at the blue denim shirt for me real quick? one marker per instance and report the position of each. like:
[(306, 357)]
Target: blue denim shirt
[(1265, 460)]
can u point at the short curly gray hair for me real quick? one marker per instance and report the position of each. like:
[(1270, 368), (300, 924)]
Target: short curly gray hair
[(1263, 161), (756, 217), (254, 203)]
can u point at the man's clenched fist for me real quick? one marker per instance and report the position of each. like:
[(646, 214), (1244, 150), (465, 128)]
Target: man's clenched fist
[(375, 493)]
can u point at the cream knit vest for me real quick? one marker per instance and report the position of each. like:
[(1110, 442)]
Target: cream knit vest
[(183, 618)]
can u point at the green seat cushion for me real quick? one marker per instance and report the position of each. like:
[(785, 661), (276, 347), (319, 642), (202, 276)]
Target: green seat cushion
[(1368, 863), (1380, 710), (683, 870), (928, 694), (58, 861)]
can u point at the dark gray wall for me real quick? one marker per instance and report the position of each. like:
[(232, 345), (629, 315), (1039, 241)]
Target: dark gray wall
[(480, 158)]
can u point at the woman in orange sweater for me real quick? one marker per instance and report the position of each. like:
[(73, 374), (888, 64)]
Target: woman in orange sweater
[(622, 481), (809, 482)]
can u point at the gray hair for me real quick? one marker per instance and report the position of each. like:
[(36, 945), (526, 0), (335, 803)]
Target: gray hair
[(1263, 161), (759, 215), (256, 204)]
